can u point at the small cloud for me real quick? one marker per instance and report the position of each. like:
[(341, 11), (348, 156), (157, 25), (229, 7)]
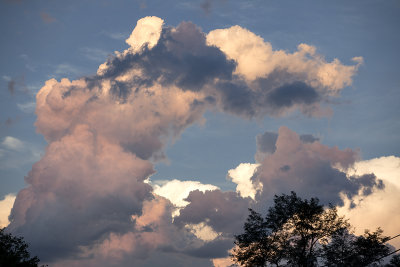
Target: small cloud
[(241, 176), (95, 54), (15, 153), (30, 67), (177, 191), (6, 78), (223, 262), (66, 69), (202, 231), (116, 35), (28, 107), (12, 143), (359, 60), (24, 56), (47, 18)]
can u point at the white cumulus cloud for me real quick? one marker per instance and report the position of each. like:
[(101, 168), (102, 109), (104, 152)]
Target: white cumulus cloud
[(5, 208), (177, 191), (241, 176), (381, 208)]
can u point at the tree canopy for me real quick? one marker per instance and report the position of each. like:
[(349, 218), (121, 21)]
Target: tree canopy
[(301, 232), (14, 252)]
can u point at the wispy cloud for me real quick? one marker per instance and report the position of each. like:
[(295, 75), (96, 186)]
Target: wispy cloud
[(116, 35), (95, 54), (28, 107), (6, 78), (15, 153), (47, 18), (66, 70)]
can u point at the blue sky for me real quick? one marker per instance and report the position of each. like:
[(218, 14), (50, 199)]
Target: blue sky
[(55, 39)]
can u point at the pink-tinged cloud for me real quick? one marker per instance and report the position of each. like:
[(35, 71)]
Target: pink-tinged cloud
[(88, 194), (47, 18), (81, 189), (311, 169)]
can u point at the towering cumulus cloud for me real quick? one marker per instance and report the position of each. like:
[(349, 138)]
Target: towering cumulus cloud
[(88, 201)]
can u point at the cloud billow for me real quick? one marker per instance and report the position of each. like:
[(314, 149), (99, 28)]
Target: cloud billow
[(88, 194), (292, 162)]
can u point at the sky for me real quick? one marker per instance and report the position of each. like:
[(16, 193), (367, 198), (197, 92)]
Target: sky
[(140, 132)]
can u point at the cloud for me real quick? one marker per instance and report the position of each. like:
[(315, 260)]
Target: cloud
[(115, 35), (266, 143), (222, 262), (12, 143), (146, 33), (15, 153), (241, 176), (66, 69), (308, 168), (28, 107), (47, 18), (177, 191), (381, 207), (5, 208), (78, 182), (186, 57), (95, 54), (87, 199), (203, 231), (6, 78), (215, 209), (257, 59), (223, 212)]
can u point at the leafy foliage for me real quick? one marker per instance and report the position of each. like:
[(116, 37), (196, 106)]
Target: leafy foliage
[(297, 232), (14, 252), (394, 261), (346, 249)]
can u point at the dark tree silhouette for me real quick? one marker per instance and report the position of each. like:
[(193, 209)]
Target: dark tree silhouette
[(346, 249), (370, 247), (394, 261), (340, 250), (297, 232), (14, 252)]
